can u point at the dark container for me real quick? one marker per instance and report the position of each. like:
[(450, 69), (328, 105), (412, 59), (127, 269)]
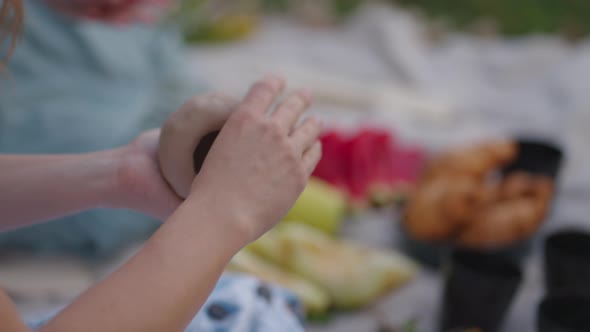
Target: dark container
[(429, 254), (537, 157), (567, 260), (565, 311), (478, 290)]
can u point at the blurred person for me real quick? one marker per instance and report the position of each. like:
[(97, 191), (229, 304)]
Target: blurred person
[(253, 174), (88, 76)]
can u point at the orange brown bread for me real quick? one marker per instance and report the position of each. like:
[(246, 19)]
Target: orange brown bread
[(460, 200), (441, 206), (475, 161), (521, 204)]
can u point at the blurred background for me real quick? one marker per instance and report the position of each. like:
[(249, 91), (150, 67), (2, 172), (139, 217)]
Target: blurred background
[(430, 110)]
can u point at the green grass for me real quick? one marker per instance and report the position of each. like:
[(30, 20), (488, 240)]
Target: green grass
[(513, 17), (339, 7)]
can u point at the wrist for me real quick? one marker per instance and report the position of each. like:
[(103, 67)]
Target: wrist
[(232, 223), (116, 178)]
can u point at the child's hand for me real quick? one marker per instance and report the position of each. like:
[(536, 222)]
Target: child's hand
[(261, 161), (157, 166), (139, 182), (183, 132)]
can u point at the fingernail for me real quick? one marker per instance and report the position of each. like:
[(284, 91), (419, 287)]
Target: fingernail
[(276, 81)]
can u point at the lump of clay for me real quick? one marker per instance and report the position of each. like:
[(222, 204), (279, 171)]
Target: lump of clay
[(187, 136)]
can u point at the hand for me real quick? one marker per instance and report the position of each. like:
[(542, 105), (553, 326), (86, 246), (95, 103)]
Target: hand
[(184, 130), (261, 161), (139, 182), (113, 11)]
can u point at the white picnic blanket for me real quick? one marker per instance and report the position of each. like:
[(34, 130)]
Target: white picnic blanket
[(382, 68)]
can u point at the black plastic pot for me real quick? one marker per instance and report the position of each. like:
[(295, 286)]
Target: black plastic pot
[(478, 290), (537, 157), (564, 311), (429, 254), (567, 260)]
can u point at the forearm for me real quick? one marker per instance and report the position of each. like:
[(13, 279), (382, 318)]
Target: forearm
[(38, 188), (163, 286), (10, 319)]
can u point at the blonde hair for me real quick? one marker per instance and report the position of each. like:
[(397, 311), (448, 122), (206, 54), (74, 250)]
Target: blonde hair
[(11, 25)]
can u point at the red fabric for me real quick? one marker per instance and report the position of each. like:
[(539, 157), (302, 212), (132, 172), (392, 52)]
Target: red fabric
[(113, 11)]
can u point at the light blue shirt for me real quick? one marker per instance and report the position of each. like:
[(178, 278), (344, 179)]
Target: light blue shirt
[(75, 86)]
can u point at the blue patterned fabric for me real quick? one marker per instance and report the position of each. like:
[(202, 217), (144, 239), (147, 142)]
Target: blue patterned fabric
[(75, 86), (241, 303)]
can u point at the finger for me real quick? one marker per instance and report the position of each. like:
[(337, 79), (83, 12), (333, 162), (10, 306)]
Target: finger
[(311, 157), (149, 140), (262, 95), (289, 111), (306, 135)]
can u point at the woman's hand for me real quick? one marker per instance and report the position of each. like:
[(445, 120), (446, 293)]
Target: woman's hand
[(261, 160)]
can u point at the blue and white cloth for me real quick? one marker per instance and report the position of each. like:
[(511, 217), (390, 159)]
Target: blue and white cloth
[(245, 304), (241, 303)]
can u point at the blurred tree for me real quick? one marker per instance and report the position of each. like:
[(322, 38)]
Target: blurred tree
[(207, 20), (338, 8), (571, 17), (275, 5), (345, 7)]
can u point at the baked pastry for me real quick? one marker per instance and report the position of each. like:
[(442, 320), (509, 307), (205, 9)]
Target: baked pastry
[(442, 206), (476, 161), (522, 202), (460, 200)]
